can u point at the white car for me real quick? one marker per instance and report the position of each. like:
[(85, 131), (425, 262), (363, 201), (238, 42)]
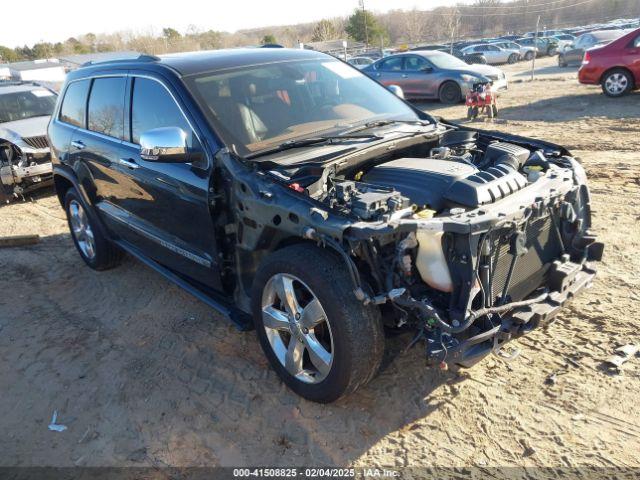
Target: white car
[(494, 55), (525, 53), (360, 62), (25, 159)]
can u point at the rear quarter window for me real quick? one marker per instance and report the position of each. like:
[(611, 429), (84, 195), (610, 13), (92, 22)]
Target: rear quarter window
[(74, 103)]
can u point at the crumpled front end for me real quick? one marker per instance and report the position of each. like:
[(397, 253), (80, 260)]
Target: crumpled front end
[(24, 166)]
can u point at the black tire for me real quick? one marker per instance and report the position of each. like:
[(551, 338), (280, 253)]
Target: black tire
[(450, 92), (528, 56), (621, 83), (481, 60), (356, 330), (513, 58), (551, 51), (561, 61), (106, 254)]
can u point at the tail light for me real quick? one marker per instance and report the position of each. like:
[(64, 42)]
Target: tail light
[(586, 59)]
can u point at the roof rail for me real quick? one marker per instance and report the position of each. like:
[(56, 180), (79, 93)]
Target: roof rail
[(140, 58)]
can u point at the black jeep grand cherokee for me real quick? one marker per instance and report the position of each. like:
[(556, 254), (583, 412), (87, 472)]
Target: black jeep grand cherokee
[(297, 196)]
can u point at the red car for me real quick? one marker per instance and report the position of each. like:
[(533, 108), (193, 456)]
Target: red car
[(615, 66)]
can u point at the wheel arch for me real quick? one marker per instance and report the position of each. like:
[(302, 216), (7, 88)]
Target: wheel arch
[(62, 185), (611, 69)]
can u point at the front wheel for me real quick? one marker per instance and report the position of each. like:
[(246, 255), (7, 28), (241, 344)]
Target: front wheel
[(450, 93), (513, 58), (528, 56), (617, 83), (320, 340)]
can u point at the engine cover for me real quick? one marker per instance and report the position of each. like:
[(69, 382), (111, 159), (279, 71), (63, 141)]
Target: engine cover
[(425, 181), (446, 183)]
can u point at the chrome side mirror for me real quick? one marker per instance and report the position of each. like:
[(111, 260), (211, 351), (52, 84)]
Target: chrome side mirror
[(166, 144), (396, 90)]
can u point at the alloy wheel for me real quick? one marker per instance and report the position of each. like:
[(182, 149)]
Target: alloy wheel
[(616, 83), (81, 229), (297, 328)]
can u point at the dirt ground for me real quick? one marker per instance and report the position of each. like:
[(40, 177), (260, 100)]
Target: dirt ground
[(143, 374)]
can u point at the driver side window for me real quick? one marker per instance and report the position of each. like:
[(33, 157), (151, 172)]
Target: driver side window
[(153, 107), (391, 64), (415, 63)]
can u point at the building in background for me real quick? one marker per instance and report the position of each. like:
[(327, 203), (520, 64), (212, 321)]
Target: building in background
[(71, 62), (48, 70)]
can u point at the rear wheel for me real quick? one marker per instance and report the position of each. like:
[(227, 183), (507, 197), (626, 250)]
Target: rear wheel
[(617, 82), (94, 248), (450, 93), (528, 55), (320, 340)]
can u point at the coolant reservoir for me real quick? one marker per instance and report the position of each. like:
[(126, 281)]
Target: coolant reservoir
[(430, 260)]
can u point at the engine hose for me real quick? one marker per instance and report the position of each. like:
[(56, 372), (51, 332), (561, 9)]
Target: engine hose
[(431, 312)]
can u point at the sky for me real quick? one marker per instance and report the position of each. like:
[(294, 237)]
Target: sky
[(36, 20)]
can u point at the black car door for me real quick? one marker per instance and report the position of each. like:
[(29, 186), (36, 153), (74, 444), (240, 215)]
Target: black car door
[(163, 207), (96, 145)]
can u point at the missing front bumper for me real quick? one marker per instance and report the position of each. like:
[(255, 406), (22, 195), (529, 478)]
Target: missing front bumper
[(514, 324)]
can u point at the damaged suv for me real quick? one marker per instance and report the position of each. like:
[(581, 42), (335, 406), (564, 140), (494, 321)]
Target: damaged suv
[(296, 195), (25, 162)]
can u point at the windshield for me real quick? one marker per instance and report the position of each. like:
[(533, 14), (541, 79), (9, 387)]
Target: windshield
[(26, 104), (445, 61), (262, 106)]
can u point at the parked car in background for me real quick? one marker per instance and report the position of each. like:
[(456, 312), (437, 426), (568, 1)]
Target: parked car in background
[(360, 62), (565, 42), (544, 45), (433, 74), (574, 55), (510, 38), (525, 53), (25, 160), (615, 66), (494, 55), (469, 58)]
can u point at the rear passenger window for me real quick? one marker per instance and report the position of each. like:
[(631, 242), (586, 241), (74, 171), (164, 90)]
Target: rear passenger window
[(106, 106), (153, 107), (74, 103)]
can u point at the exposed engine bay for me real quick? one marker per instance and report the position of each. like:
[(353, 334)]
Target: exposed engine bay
[(467, 239)]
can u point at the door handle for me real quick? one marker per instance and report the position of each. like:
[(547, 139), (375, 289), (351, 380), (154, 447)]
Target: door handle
[(404, 75), (78, 145), (129, 163), (377, 74)]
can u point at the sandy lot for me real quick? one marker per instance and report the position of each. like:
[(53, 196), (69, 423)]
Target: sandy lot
[(143, 374)]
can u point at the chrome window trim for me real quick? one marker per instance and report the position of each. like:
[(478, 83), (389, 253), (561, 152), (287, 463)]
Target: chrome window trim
[(122, 141)]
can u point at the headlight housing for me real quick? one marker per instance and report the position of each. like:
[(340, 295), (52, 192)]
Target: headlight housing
[(469, 78)]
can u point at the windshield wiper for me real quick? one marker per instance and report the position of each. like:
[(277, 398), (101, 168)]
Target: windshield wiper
[(382, 123), (306, 142)]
